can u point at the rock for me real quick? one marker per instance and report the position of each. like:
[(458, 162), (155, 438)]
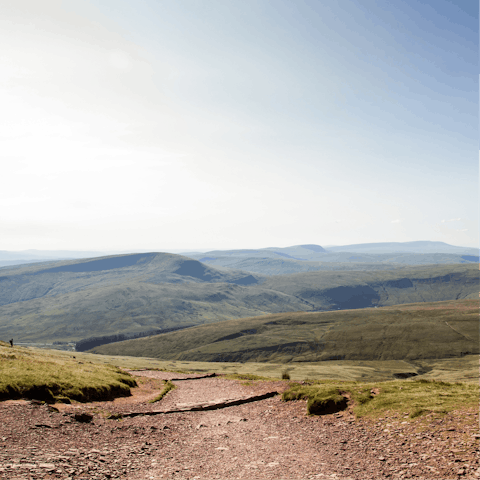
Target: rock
[(115, 416), (83, 417)]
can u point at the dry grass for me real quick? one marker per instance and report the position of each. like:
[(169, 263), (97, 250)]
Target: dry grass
[(376, 398), (45, 375), (450, 369), (168, 386)]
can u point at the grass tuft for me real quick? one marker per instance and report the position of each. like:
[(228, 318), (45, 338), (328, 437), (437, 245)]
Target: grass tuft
[(285, 375), (168, 386), (245, 376), (416, 412)]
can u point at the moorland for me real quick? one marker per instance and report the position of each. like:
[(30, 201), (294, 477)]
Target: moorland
[(67, 301), (374, 359)]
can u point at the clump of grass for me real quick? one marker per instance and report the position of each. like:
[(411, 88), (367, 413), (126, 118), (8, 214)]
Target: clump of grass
[(40, 375), (416, 412), (62, 399), (175, 370), (285, 375), (168, 386), (322, 398), (245, 376), (363, 397), (415, 396)]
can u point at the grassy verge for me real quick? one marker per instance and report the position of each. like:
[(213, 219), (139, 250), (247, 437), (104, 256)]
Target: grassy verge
[(245, 376), (40, 375), (377, 398), (168, 386), (449, 369)]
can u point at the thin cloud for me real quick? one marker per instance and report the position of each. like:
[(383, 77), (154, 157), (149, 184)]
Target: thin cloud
[(396, 221), (452, 220)]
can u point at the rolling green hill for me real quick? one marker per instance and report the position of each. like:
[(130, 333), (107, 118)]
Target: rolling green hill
[(73, 300), (56, 278), (408, 332)]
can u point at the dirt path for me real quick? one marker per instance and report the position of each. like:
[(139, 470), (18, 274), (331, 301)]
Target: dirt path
[(267, 439)]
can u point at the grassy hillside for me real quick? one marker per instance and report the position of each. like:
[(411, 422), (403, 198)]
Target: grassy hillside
[(70, 301), (56, 278), (365, 289), (136, 307), (47, 376), (403, 332)]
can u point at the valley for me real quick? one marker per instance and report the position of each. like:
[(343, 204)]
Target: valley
[(68, 301)]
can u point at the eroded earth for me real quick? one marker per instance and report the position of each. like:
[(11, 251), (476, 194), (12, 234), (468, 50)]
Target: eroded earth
[(263, 439)]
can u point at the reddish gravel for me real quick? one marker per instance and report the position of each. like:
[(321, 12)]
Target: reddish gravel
[(267, 439)]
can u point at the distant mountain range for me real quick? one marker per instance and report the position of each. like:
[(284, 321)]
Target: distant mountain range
[(307, 252), (10, 258), (405, 247), (309, 258)]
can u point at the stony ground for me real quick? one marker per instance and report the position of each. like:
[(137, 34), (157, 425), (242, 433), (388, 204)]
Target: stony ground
[(267, 439)]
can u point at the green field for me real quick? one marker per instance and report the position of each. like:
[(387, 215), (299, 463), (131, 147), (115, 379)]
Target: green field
[(411, 333)]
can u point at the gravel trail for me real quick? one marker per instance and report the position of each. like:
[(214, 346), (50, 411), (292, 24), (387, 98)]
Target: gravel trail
[(267, 439)]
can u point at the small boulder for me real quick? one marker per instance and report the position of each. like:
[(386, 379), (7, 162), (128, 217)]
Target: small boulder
[(83, 417)]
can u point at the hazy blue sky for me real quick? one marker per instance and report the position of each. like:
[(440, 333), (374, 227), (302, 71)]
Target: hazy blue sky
[(194, 124)]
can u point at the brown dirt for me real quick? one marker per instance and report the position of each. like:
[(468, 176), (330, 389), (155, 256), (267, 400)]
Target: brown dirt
[(268, 439)]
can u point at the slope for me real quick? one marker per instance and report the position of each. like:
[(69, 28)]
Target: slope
[(73, 301), (412, 332), (60, 277)]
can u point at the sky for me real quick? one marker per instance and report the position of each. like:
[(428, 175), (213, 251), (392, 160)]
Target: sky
[(170, 125)]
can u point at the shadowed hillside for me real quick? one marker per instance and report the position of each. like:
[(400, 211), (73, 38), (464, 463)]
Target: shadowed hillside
[(54, 278), (129, 294), (413, 331)]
